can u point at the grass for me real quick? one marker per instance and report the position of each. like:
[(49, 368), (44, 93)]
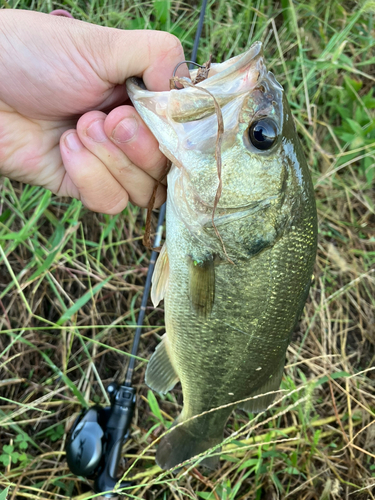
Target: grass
[(71, 283)]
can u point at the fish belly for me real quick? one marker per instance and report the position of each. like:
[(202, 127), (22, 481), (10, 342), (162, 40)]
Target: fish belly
[(238, 351)]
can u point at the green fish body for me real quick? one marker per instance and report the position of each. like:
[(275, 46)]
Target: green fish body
[(231, 303)]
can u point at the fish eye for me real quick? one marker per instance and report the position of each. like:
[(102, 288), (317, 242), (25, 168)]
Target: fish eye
[(263, 134)]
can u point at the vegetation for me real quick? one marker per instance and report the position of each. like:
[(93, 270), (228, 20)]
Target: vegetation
[(71, 283)]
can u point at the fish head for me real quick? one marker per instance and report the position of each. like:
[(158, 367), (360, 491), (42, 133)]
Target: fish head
[(258, 142)]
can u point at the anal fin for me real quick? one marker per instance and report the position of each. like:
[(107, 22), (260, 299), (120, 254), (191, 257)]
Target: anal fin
[(160, 374), (262, 402), (160, 277)]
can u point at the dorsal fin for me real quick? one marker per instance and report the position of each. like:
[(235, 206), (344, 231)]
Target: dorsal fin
[(160, 277)]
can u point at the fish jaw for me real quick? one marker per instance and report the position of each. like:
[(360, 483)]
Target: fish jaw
[(185, 124)]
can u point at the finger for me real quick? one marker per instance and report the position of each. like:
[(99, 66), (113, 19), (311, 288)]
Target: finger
[(152, 55), (88, 179), (128, 131), (138, 184)]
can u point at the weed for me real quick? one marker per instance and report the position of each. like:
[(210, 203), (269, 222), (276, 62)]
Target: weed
[(71, 283)]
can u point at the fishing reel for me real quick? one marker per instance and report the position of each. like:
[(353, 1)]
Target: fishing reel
[(95, 441)]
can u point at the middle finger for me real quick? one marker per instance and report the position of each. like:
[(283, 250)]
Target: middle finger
[(138, 183)]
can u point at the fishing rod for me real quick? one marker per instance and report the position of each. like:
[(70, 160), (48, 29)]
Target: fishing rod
[(95, 441)]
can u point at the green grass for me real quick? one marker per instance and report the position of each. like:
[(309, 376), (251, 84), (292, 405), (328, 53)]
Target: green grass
[(71, 283)]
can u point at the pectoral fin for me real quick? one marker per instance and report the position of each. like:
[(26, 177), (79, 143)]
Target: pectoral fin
[(160, 374), (202, 286), (160, 277), (262, 402)]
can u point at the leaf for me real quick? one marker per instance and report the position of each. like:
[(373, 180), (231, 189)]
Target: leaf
[(5, 459), (357, 129), (162, 9), (352, 87), (251, 463), (4, 494), (46, 264), (8, 449), (56, 433), (292, 470), (337, 53), (109, 226), (369, 100), (22, 443), (345, 111), (5, 215), (334, 376), (316, 436), (357, 142), (361, 117), (31, 226), (15, 427), (15, 456), (149, 432), (82, 301), (154, 406), (369, 168), (344, 59), (206, 495), (60, 484)]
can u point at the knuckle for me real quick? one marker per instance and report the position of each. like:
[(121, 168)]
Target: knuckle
[(110, 206), (174, 45)]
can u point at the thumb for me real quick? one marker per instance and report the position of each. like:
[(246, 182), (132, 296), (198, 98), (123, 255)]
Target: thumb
[(152, 55)]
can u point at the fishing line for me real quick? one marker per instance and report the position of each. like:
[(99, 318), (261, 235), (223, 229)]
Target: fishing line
[(159, 230), (198, 33), (95, 441)]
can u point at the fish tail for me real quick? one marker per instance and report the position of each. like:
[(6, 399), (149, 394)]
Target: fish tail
[(182, 444)]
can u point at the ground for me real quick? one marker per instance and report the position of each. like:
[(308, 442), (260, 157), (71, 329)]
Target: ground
[(71, 283)]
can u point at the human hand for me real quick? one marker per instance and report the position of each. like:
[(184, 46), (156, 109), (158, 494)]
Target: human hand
[(58, 79)]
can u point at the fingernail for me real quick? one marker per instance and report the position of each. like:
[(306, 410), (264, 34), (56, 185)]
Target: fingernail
[(125, 130), (96, 131), (72, 142)]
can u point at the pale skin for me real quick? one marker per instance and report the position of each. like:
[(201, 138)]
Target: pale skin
[(64, 123)]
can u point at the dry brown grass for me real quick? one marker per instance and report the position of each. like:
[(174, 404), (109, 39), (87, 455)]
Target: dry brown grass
[(318, 442)]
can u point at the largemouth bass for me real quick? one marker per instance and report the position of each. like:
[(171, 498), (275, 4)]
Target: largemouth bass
[(231, 302)]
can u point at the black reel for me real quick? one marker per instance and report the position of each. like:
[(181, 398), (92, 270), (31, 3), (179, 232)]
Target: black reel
[(94, 444)]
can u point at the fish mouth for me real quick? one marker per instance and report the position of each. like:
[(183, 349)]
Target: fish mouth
[(226, 81)]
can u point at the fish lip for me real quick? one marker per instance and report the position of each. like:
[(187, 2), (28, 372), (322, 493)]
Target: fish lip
[(234, 64), (136, 84)]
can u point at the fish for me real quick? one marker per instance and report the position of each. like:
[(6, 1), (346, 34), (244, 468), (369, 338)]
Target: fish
[(234, 273)]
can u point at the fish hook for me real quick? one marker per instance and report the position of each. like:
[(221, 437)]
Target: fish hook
[(186, 62), (176, 68)]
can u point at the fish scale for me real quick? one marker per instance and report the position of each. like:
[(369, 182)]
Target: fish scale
[(228, 320)]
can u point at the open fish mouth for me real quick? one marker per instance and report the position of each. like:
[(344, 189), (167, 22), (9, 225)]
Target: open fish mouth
[(226, 81), (185, 123)]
